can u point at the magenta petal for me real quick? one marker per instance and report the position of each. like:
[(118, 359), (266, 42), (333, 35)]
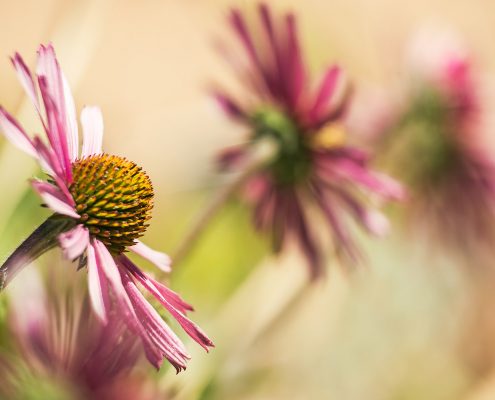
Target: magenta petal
[(324, 95), (158, 339), (192, 329), (229, 106), (56, 88), (55, 130)]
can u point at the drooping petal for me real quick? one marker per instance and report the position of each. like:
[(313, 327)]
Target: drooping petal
[(97, 284), (158, 339), (161, 260), (15, 134), (172, 297), (26, 79), (54, 199), (92, 124), (74, 242), (191, 328), (107, 264)]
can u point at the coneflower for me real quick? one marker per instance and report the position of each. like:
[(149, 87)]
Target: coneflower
[(101, 206), (312, 167)]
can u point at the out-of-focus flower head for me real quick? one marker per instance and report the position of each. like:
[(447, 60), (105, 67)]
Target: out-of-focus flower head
[(101, 206), (58, 340), (311, 166), (438, 144)]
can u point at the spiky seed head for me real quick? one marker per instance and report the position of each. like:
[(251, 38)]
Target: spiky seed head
[(114, 198)]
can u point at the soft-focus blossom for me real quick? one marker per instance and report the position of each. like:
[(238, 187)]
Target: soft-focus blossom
[(312, 167), (438, 142), (101, 204), (58, 339)]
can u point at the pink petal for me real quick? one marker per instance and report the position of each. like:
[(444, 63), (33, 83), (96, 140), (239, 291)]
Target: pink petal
[(55, 130), (107, 264), (98, 288), (158, 339), (51, 165), (71, 121), (74, 242), (172, 297), (325, 92), (54, 199), (161, 260), (26, 79), (92, 124), (191, 328), (58, 90), (15, 134)]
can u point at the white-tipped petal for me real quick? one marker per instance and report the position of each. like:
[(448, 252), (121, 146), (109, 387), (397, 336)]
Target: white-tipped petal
[(161, 260), (54, 198), (92, 124)]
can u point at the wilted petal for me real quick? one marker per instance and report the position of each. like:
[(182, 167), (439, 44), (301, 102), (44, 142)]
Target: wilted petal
[(92, 124), (161, 260), (74, 242), (54, 198)]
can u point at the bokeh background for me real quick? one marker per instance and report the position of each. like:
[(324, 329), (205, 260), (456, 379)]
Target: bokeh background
[(416, 324)]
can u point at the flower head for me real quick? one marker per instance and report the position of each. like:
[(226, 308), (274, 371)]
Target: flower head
[(311, 167), (101, 204), (437, 142), (58, 339)]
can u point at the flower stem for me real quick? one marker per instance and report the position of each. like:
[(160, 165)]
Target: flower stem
[(262, 152), (40, 241)]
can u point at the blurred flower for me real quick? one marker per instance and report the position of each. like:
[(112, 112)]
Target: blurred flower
[(101, 203), (58, 340), (437, 144), (312, 167)]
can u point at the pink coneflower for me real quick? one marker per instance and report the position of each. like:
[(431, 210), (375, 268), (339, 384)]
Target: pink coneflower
[(311, 167), (58, 339), (438, 143), (101, 204)]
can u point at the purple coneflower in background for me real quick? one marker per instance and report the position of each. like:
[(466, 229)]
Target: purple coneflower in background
[(101, 204), (311, 166), (58, 340), (438, 144)]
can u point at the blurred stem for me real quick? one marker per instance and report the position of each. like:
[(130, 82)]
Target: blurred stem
[(260, 155)]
